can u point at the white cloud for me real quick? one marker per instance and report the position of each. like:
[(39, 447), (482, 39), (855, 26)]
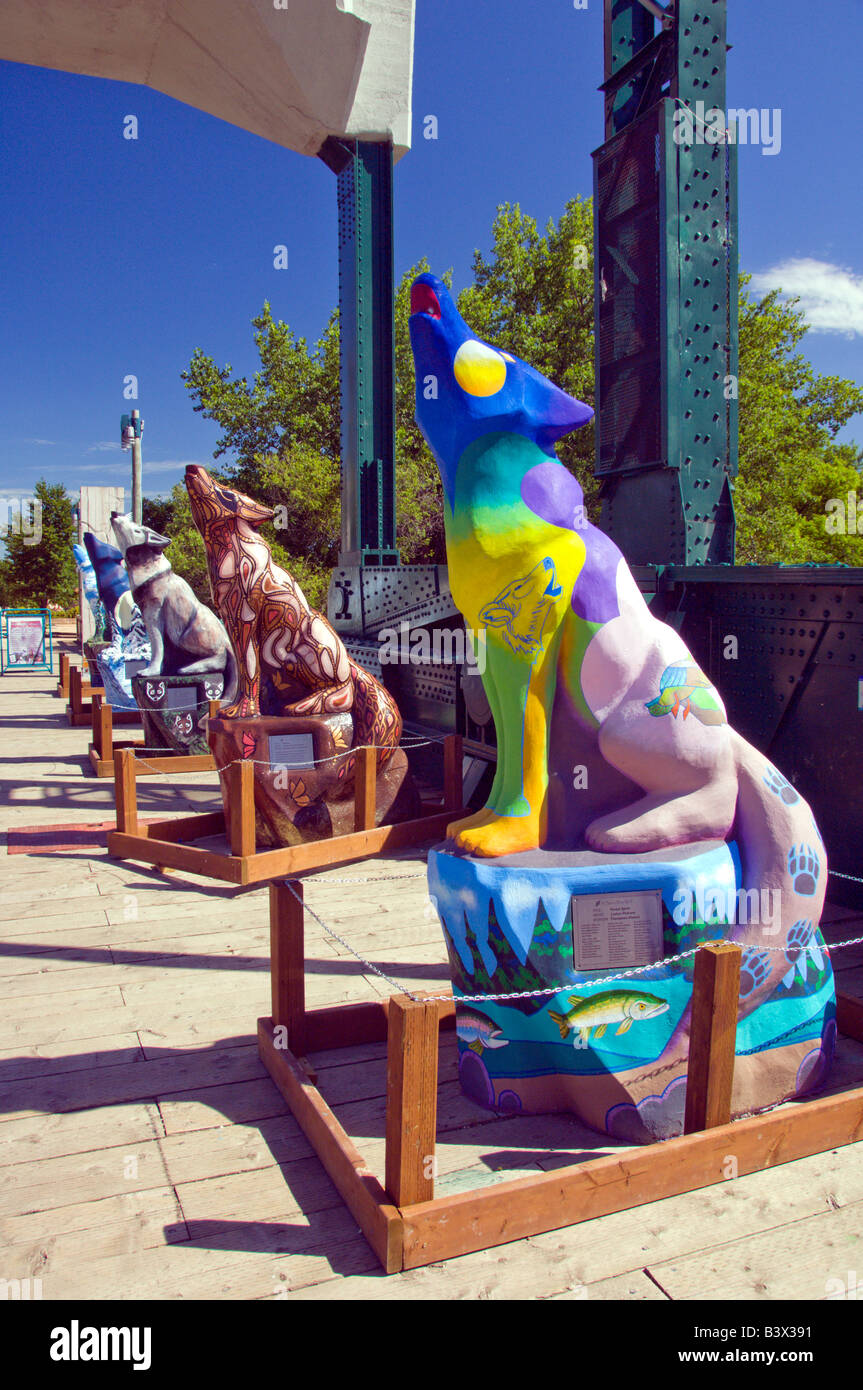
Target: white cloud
[(105, 446), (830, 295), (39, 441)]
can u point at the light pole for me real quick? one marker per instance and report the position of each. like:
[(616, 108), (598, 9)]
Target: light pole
[(131, 429)]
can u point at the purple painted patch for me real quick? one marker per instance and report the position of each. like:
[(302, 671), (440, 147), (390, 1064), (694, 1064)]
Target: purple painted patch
[(595, 595), (654, 1117), (509, 1102), (475, 1080), (813, 1070), (552, 493)]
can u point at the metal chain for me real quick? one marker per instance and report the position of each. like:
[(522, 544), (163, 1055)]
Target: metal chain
[(378, 878), (264, 762), (526, 993), (329, 931)]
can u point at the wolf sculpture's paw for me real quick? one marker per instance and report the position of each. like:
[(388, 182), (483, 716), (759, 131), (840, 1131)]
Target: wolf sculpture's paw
[(458, 827), (499, 835)]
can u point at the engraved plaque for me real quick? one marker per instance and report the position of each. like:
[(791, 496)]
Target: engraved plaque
[(292, 750), (616, 929)]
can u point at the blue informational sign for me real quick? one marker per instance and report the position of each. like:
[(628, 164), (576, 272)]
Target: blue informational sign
[(26, 640)]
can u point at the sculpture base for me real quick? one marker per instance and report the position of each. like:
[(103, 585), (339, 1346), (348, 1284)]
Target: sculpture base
[(304, 777), (91, 656), (615, 1054), (173, 711)]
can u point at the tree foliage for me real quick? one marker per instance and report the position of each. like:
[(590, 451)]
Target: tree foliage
[(32, 575), (790, 463)]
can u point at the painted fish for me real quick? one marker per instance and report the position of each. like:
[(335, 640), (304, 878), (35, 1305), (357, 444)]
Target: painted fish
[(478, 1031), (623, 1006)]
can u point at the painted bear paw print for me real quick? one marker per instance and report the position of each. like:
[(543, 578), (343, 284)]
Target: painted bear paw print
[(800, 946), (780, 786), (803, 868), (754, 970)]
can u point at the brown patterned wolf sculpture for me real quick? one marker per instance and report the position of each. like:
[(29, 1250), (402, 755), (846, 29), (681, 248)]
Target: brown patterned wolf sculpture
[(289, 659)]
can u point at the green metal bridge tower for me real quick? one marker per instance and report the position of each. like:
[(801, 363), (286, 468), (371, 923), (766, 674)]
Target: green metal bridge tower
[(665, 198)]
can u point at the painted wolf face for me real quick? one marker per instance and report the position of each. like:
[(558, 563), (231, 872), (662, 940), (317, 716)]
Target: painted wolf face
[(466, 388), (214, 505), (130, 532)]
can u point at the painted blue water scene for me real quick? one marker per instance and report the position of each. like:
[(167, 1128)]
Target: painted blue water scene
[(596, 1043)]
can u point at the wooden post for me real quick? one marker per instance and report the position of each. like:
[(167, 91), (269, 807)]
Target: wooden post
[(213, 707), (241, 807), (64, 674), (75, 699), (453, 791), (713, 1033), (411, 1124), (365, 788), (103, 727), (288, 962), (125, 791)]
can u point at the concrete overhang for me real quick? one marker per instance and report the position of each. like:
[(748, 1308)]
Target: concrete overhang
[(294, 75)]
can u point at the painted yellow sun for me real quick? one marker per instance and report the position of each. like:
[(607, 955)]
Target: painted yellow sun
[(479, 369)]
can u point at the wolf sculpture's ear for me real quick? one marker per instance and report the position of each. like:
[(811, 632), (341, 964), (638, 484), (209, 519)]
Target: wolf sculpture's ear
[(553, 412)]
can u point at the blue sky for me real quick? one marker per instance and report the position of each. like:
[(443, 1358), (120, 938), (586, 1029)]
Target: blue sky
[(122, 256)]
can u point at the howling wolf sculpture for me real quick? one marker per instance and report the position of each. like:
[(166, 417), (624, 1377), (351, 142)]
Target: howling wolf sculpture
[(580, 676), (185, 637)]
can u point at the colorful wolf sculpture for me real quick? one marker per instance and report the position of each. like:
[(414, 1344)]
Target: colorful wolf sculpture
[(579, 674)]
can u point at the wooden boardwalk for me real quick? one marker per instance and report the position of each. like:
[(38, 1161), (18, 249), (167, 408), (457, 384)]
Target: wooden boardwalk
[(145, 1153)]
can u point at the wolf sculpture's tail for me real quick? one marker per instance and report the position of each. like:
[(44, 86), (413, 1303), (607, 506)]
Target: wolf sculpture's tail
[(377, 722), (784, 863), (229, 694)]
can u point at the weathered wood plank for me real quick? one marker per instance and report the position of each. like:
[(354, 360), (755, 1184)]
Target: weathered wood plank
[(288, 962), (713, 1035), (365, 788), (241, 809), (411, 1117)]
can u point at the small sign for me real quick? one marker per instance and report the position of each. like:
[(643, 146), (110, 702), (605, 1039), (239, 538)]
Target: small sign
[(28, 644), (292, 750), (134, 666), (616, 929)]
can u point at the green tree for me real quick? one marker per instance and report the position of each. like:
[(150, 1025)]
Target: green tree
[(34, 575), (790, 463), (293, 398), (156, 513)]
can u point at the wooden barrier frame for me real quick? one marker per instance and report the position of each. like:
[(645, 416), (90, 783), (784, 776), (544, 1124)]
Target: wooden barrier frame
[(407, 1226), (167, 842), (104, 745), (62, 688), (79, 709)]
